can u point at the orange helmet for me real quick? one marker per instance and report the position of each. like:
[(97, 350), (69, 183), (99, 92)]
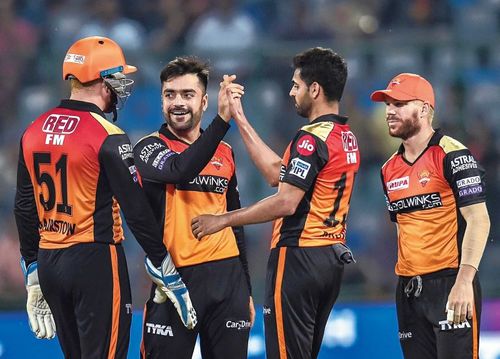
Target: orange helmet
[(94, 57)]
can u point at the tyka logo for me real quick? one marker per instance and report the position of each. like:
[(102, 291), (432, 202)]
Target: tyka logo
[(306, 145), (445, 325), (159, 329)]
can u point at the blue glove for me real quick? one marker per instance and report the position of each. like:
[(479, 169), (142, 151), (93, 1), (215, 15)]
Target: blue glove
[(40, 317), (170, 284)]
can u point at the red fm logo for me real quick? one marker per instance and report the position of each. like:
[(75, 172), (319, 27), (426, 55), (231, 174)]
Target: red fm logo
[(60, 124), (349, 142), (57, 126), (306, 145)]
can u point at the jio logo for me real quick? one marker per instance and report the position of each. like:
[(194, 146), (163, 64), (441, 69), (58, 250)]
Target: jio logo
[(306, 145)]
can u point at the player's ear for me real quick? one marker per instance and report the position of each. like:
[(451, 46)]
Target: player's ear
[(204, 102), (315, 90)]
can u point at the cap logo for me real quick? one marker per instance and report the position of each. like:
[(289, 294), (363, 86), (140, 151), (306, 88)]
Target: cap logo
[(394, 83), (75, 58)]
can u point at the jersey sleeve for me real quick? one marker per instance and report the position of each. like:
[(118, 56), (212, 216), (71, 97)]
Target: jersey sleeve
[(308, 155), (117, 161), (233, 203), (25, 212), (392, 213), (465, 176), (158, 163)]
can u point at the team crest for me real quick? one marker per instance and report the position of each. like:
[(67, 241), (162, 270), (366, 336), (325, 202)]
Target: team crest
[(424, 177), (216, 162)]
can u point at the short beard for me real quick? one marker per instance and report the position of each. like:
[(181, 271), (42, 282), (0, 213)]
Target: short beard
[(185, 126), (304, 110), (408, 129)]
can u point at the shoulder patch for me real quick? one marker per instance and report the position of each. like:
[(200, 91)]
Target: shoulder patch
[(154, 134), (449, 144), (108, 126), (320, 129)]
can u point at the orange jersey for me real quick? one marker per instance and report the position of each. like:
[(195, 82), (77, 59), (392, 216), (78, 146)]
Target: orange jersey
[(74, 167), (323, 160), (202, 182), (423, 197)]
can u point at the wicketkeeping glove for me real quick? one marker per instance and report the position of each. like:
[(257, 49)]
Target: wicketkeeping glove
[(40, 317), (170, 284)]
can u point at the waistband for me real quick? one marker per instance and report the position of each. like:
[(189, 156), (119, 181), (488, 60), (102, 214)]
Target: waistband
[(447, 272)]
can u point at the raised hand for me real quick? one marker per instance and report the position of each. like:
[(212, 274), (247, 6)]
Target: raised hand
[(228, 88)]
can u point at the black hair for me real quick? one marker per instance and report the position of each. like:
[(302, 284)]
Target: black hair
[(186, 65), (325, 67)]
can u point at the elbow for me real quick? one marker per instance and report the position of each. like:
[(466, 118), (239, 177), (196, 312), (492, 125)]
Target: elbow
[(288, 207), (273, 182)]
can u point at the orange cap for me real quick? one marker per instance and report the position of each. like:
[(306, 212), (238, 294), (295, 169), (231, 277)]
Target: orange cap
[(93, 57), (406, 87)]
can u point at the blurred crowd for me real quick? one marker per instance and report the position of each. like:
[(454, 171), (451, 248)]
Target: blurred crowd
[(453, 43)]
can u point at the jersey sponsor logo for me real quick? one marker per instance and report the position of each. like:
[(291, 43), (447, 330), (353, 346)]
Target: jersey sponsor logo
[(469, 181), (424, 177), (445, 325), (282, 172), (133, 171), (57, 226), (125, 151), (398, 184), (266, 310), (349, 141), (299, 168), (158, 329), (463, 163), (350, 145), (405, 335), (148, 150), (216, 162), (128, 308), (469, 191), (60, 124), (333, 235), (57, 126), (238, 324), (205, 183), (74, 58), (416, 203), (306, 145), (161, 157)]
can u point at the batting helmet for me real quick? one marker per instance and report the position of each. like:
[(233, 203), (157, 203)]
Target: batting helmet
[(94, 57)]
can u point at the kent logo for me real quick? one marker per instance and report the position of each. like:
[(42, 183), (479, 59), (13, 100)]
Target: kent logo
[(57, 126), (306, 145)]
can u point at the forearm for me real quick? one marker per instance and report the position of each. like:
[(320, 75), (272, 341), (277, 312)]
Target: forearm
[(265, 159), (268, 209), (475, 238)]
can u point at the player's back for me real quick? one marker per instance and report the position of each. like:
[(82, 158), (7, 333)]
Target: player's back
[(61, 149)]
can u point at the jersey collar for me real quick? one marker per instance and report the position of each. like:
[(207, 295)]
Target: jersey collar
[(342, 120), (81, 106), (434, 141)]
